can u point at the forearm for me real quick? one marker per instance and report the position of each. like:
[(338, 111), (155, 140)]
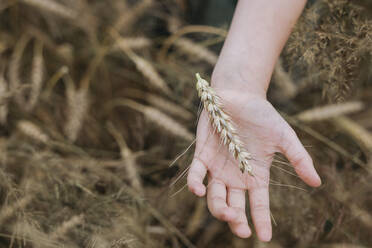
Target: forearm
[(256, 37)]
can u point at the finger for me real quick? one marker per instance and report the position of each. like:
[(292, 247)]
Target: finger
[(216, 199), (260, 212), (196, 176), (300, 159), (236, 200)]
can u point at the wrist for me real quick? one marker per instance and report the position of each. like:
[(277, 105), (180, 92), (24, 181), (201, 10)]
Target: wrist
[(238, 77)]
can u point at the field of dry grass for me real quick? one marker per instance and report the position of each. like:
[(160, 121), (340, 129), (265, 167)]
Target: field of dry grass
[(97, 98)]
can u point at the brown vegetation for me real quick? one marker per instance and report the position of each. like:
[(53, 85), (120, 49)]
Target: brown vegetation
[(76, 170)]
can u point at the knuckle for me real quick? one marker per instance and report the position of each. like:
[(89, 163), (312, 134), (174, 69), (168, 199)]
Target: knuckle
[(239, 210), (299, 159), (217, 199), (287, 138)]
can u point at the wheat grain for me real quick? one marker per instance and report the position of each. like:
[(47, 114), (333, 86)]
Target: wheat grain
[(223, 124), (37, 76), (329, 111), (60, 231), (78, 106), (157, 117), (196, 50), (31, 130)]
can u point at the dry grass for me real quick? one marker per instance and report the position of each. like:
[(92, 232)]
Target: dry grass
[(342, 30), (147, 69), (75, 172)]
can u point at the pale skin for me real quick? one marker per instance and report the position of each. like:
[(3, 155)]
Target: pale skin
[(241, 77)]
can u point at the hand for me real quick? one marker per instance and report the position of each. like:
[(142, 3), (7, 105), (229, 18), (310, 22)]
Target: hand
[(264, 132)]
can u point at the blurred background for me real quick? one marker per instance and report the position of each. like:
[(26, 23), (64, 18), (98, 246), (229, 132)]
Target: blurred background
[(97, 100)]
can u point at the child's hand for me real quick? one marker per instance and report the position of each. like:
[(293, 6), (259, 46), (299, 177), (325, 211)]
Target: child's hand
[(241, 77), (264, 132)]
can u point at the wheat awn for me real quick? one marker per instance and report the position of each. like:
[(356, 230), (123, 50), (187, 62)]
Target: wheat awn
[(223, 124)]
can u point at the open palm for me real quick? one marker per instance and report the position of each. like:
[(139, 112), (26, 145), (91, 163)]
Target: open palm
[(264, 132)]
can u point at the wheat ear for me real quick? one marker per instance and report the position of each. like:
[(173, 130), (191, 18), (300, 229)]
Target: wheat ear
[(330, 111), (157, 117), (132, 42), (223, 124), (32, 131), (67, 225), (78, 107), (3, 100), (148, 71), (53, 7), (196, 50)]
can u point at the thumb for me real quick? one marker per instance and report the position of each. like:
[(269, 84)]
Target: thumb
[(297, 155)]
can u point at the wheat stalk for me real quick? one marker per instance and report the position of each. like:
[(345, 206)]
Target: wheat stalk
[(128, 156), (157, 117), (60, 73), (284, 81), (125, 21), (3, 100), (330, 111), (223, 124)]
